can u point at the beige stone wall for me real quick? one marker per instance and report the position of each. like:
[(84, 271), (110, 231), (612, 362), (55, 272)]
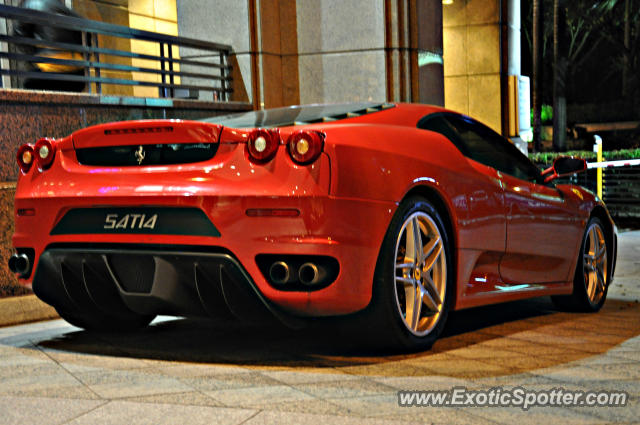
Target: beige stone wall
[(471, 38), (157, 16), (149, 15)]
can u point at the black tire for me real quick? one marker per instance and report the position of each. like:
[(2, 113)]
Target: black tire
[(106, 323), (387, 324), (581, 299)]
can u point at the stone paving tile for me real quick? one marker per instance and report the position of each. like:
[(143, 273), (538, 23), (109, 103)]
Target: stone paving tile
[(630, 344), (308, 375), (258, 396), (82, 362), (594, 372), (128, 383), (630, 354), (192, 398), (282, 418), (632, 387), (178, 369), (607, 358), (592, 348), (55, 383), (229, 381), (464, 368), (438, 416), (345, 389), (193, 370), (629, 413), (521, 363), (480, 352), (15, 358), (313, 405), (561, 338), (533, 416), (513, 346), (422, 383), (510, 381), (120, 412), (26, 410), (386, 406), (33, 328), (411, 367), (9, 371)]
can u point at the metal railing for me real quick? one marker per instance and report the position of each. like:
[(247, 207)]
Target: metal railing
[(181, 67)]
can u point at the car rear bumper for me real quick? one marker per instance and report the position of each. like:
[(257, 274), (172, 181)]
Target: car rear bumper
[(118, 280), (347, 230)]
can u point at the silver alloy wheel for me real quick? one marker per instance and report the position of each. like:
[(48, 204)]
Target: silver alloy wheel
[(420, 273), (595, 263)]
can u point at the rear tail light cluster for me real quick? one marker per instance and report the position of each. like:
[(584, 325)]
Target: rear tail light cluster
[(263, 145), (304, 146), (42, 153), (25, 157)]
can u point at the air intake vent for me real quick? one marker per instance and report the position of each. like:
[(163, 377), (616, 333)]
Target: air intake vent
[(141, 155)]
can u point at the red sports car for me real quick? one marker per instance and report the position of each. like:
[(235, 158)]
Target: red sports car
[(397, 212)]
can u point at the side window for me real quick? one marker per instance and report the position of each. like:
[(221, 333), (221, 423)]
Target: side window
[(489, 148), (438, 124)]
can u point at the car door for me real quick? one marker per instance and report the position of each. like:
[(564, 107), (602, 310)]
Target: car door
[(480, 212), (542, 225)]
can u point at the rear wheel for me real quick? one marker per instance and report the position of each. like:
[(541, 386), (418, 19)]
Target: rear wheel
[(591, 280), (106, 323), (413, 287)]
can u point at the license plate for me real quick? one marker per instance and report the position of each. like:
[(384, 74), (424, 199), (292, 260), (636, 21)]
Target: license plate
[(136, 220)]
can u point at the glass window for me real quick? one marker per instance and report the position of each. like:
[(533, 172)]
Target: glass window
[(438, 124), (482, 144)]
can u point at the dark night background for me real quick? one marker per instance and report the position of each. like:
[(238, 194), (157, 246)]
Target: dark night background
[(598, 88)]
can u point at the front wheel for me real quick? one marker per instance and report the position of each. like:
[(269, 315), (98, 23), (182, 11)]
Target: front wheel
[(413, 287), (591, 280)]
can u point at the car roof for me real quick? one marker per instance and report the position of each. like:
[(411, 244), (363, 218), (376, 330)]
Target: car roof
[(355, 112)]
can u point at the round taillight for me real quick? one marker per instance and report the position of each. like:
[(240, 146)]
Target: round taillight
[(25, 157), (45, 151), (263, 145), (305, 146)]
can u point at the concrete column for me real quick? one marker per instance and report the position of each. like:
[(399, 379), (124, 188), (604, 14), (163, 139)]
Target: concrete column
[(221, 21), (481, 48), (341, 54), (311, 51)]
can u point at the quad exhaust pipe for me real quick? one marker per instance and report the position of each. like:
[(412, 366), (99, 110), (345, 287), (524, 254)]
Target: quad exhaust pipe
[(20, 264), (298, 272), (309, 274), (279, 273)]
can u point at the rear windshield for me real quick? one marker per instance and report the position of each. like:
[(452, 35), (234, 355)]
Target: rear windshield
[(297, 115)]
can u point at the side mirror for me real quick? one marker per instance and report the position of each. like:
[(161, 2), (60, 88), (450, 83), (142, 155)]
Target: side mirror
[(564, 166)]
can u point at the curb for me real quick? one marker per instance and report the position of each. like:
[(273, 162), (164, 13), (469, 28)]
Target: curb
[(24, 309)]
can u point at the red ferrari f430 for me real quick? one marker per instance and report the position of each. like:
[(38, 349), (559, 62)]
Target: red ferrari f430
[(400, 213)]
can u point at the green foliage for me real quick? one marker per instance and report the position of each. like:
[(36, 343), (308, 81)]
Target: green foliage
[(546, 114), (548, 157)]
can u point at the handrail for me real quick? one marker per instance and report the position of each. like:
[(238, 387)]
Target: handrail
[(87, 25), (211, 71)]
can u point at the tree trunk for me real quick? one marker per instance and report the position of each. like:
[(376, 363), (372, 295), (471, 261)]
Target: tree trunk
[(537, 42), (626, 74), (559, 76)]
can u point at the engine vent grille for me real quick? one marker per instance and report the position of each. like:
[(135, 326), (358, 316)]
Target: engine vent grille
[(143, 155)]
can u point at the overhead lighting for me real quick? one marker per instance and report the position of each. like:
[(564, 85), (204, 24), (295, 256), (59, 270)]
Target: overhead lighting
[(447, 1)]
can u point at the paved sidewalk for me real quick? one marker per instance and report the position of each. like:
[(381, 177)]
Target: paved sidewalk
[(186, 371)]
